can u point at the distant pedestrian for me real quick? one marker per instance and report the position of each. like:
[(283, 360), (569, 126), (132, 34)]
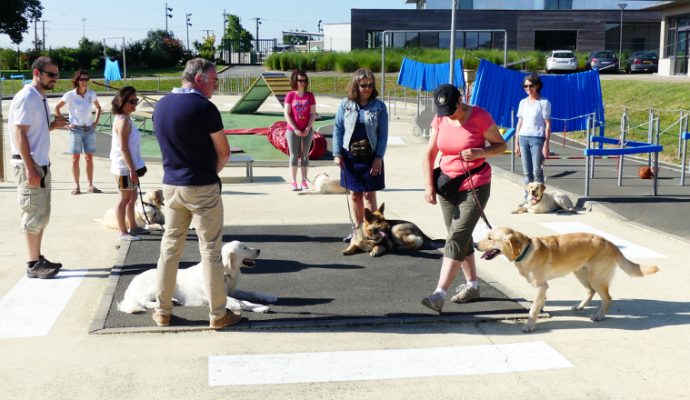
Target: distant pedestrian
[(190, 133), (300, 113), (29, 131), (125, 160), (82, 126), (533, 130)]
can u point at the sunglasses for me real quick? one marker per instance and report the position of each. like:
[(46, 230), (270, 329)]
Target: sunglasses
[(84, 79), (366, 85), (133, 102), (50, 74), (529, 86)]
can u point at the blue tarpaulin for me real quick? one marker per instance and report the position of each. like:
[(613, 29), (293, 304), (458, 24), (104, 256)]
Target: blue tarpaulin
[(572, 96), (416, 75), (112, 71)]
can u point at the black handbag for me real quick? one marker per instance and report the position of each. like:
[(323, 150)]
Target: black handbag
[(361, 149), (141, 171), (447, 186)]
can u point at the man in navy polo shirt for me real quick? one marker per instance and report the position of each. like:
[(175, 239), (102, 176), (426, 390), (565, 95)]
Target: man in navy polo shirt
[(194, 149)]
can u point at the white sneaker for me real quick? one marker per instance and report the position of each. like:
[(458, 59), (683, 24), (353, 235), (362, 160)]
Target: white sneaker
[(126, 237)]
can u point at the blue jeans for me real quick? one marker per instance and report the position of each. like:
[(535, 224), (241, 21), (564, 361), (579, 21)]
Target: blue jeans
[(82, 138), (532, 158)]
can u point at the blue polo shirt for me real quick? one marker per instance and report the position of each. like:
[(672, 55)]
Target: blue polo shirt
[(183, 122)]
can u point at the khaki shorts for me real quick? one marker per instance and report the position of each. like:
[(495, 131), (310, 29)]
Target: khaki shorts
[(124, 183), (461, 214), (34, 202)]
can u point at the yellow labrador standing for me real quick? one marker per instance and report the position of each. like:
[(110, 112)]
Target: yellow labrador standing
[(591, 258)]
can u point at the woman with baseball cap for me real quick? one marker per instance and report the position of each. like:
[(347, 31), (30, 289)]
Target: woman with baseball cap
[(465, 136)]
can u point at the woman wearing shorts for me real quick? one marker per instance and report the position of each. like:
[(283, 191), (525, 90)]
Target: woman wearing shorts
[(125, 157), (82, 126)]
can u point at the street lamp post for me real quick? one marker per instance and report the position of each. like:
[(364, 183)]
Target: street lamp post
[(188, 25), (83, 23), (620, 44), (168, 11)]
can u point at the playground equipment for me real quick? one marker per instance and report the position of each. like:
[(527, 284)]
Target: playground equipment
[(268, 83)]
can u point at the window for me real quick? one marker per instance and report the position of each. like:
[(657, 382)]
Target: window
[(373, 39), (466, 5), (558, 4), (484, 40)]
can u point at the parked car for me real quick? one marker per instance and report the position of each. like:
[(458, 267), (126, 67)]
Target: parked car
[(642, 61), (281, 48), (561, 60), (603, 60)]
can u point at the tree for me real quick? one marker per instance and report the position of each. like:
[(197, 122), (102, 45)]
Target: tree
[(13, 18), (236, 37), (159, 49), (207, 48)]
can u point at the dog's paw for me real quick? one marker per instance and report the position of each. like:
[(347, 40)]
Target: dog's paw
[(597, 317), (376, 253), (527, 328)]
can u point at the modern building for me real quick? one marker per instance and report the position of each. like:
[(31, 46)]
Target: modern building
[(582, 25), (675, 36)]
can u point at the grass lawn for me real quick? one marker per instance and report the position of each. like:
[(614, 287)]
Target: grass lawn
[(257, 146)]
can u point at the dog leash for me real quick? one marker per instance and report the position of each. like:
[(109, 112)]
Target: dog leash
[(143, 209), (468, 177)]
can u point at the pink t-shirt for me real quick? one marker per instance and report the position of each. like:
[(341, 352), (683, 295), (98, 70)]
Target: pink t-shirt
[(452, 139), (300, 108)]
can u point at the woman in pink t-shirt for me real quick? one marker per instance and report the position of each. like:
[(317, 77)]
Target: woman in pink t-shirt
[(460, 132), (300, 113)]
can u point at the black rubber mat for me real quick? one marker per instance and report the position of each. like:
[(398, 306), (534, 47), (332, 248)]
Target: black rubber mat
[(315, 283)]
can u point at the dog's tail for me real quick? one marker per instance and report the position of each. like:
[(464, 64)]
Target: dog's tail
[(634, 269), (130, 306)]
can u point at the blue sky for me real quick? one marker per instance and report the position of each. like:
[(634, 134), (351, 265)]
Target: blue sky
[(133, 18)]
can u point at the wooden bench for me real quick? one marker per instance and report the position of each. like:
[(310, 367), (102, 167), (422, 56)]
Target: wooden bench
[(245, 159)]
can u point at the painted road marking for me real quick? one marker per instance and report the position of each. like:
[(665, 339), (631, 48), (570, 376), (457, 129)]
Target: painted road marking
[(395, 140), (630, 250), (339, 366), (32, 306)]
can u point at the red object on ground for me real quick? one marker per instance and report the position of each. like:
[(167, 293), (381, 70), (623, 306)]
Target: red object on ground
[(276, 135), (250, 131)]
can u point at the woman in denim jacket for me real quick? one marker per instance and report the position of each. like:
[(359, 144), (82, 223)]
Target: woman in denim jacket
[(360, 137)]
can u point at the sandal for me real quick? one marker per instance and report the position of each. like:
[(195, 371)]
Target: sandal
[(76, 191), (93, 189)]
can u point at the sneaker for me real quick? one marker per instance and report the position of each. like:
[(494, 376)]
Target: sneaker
[(293, 186), (434, 301), (305, 186), (50, 263), (231, 318), (465, 293), (41, 270), (161, 320), (126, 237), (138, 231)]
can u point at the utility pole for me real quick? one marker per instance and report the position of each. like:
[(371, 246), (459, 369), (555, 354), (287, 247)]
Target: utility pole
[(208, 31), (83, 27), (188, 25), (36, 34), (44, 36), (168, 11), (258, 22), (620, 43), (454, 5)]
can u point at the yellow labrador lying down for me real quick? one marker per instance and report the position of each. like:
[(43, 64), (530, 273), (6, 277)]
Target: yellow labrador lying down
[(591, 258), (189, 287)]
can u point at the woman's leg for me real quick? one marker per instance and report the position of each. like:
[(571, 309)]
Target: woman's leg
[(357, 207), (89, 168), (131, 202), (526, 159), (293, 149), (75, 169), (370, 201), (538, 159), (121, 209), (304, 154)]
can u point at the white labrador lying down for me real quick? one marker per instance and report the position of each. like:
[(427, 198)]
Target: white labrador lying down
[(189, 288)]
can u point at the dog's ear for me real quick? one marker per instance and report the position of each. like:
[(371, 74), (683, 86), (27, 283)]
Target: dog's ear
[(383, 205), (368, 215), (514, 245)]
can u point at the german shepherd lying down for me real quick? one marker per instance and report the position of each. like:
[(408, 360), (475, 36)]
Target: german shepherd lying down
[(378, 235)]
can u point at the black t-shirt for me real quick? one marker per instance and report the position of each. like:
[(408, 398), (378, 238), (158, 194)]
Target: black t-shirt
[(183, 123)]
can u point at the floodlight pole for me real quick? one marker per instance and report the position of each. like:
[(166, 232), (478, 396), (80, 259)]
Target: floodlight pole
[(453, 6), (620, 46)]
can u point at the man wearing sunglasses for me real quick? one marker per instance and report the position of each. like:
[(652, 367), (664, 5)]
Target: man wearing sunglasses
[(30, 125)]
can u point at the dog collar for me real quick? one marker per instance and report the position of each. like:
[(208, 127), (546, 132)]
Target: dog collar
[(523, 253)]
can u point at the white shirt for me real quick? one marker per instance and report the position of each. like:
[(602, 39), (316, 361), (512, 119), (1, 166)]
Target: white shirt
[(117, 161), (80, 107), (30, 107), (533, 114)]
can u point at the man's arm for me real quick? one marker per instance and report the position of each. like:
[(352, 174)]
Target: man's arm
[(22, 140), (222, 147)]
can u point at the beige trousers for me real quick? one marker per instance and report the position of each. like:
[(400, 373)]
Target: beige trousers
[(204, 204)]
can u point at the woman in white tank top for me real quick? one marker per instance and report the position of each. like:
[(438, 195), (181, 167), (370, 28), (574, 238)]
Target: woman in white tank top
[(125, 159)]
